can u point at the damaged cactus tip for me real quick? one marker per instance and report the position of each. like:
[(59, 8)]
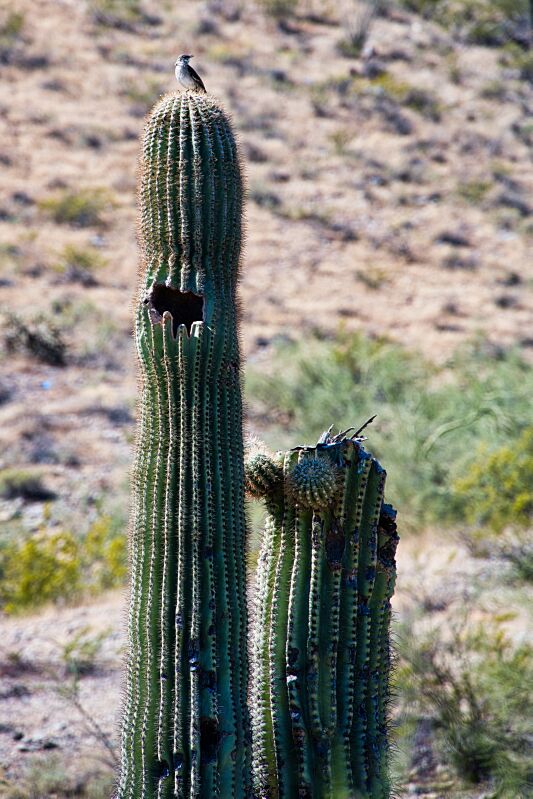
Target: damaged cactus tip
[(185, 731), (321, 655)]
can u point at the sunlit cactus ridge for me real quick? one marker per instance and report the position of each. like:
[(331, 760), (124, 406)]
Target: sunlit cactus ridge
[(185, 731)]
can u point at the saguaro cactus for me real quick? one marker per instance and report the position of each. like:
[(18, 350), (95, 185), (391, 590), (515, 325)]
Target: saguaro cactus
[(185, 727), (320, 641)]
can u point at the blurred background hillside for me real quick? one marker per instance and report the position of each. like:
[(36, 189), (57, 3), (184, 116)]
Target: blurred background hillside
[(388, 149)]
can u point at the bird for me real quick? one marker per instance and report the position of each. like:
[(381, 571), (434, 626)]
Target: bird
[(187, 76)]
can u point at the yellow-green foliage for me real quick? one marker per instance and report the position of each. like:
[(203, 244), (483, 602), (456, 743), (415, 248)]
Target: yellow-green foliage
[(23, 483), (83, 208), (11, 29), (279, 8), (52, 566), (80, 258), (474, 681), (115, 12), (106, 552), (497, 492), (41, 569), (485, 22)]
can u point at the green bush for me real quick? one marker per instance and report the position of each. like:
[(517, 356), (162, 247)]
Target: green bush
[(497, 491), (475, 685), (44, 568), (422, 101), (81, 652), (50, 566), (23, 483), (517, 550), (279, 8), (116, 13), (11, 29), (105, 551), (484, 22), (430, 420), (37, 336), (80, 258), (46, 777), (516, 57), (83, 208)]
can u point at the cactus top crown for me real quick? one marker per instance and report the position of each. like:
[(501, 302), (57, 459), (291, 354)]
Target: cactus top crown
[(191, 218)]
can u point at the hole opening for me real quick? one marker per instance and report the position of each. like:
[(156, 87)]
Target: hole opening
[(184, 306)]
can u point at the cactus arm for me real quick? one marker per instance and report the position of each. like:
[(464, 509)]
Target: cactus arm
[(357, 470), (387, 543), (315, 591), (264, 762), (327, 575), (297, 625), (366, 577), (282, 731)]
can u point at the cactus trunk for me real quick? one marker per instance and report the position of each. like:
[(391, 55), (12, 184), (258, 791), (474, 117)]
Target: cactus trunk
[(320, 643), (184, 731)]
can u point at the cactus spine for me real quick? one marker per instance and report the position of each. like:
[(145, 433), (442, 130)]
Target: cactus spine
[(320, 643), (185, 731)]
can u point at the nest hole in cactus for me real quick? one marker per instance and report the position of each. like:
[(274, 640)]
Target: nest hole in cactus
[(184, 306)]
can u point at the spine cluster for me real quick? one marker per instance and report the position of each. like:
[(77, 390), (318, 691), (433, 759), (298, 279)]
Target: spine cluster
[(320, 642)]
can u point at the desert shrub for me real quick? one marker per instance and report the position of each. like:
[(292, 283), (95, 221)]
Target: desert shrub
[(38, 337), (105, 551), (517, 550), (497, 490), (23, 483), (474, 191), (142, 93), (520, 59), (357, 21), (474, 685), (80, 263), (420, 100), (83, 208), (52, 566), (81, 652), (11, 29), (116, 13), (279, 8), (485, 22), (43, 568), (47, 776), (430, 420)]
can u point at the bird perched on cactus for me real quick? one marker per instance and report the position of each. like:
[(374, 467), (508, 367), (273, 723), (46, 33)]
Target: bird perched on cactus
[(187, 76)]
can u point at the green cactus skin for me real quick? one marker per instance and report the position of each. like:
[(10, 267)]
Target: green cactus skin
[(320, 641), (185, 731)]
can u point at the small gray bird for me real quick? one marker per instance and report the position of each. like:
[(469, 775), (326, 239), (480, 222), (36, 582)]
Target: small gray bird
[(187, 76)]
